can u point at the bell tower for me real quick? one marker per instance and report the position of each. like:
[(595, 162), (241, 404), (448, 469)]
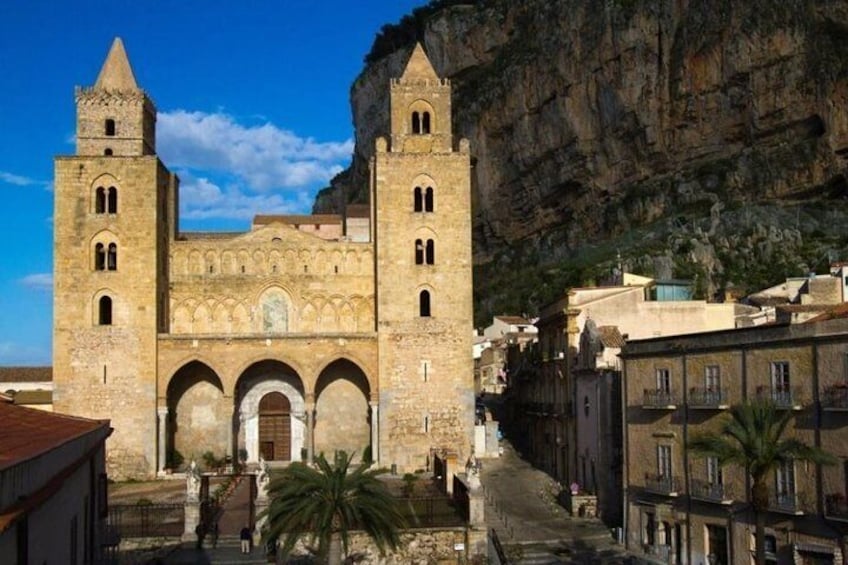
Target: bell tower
[(421, 205), (114, 215)]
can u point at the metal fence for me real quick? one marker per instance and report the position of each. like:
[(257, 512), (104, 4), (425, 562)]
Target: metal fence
[(146, 520), (430, 512)]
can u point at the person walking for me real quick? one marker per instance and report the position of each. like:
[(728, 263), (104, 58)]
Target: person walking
[(245, 539)]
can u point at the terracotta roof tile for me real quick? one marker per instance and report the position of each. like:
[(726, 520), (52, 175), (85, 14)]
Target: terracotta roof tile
[(836, 312), (610, 336), (26, 374), (28, 432), (297, 219)]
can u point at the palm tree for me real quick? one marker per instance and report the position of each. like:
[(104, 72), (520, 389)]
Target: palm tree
[(752, 438), (325, 502)]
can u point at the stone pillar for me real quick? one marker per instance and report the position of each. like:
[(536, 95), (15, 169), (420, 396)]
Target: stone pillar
[(375, 431), (310, 427), (192, 503), (162, 414)]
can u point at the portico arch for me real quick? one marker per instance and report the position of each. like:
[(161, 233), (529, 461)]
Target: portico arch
[(195, 401), (342, 415), (270, 393)]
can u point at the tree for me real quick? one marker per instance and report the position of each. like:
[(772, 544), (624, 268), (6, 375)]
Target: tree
[(752, 438), (326, 502)]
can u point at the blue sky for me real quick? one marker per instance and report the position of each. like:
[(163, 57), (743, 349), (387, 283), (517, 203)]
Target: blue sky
[(253, 115)]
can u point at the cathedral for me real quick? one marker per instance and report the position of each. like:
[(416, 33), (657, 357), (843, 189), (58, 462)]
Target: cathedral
[(304, 335)]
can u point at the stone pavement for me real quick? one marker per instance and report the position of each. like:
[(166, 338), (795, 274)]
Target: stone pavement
[(532, 527)]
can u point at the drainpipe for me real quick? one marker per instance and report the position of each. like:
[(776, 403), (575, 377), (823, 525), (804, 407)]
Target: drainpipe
[(686, 470), (625, 457)]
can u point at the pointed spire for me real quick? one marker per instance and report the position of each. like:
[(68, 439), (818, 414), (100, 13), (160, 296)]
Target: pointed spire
[(116, 73), (418, 66)]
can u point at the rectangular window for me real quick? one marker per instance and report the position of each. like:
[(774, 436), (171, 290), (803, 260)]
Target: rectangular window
[(712, 378), (664, 380), (780, 376), (785, 482), (714, 476), (717, 545), (664, 461), (648, 533)]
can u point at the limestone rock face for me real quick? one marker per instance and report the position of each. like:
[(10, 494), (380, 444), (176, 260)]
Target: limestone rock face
[(627, 121)]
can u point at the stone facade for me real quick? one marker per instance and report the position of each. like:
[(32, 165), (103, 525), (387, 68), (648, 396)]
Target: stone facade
[(683, 508), (306, 334)]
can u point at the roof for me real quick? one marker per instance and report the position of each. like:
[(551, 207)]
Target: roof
[(116, 73), (513, 320), (26, 374), (33, 397), (835, 312), (804, 307), (610, 336), (28, 433), (263, 219), (358, 211), (419, 66)]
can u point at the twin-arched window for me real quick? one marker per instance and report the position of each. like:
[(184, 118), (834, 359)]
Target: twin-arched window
[(423, 199), (425, 252), (106, 257), (420, 122), (106, 200)]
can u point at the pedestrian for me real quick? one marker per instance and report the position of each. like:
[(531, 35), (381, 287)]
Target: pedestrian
[(199, 532), (245, 539), (214, 533)]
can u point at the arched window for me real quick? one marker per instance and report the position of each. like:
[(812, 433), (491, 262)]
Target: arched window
[(418, 200), (425, 123), (112, 258), (428, 199), (424, 304), (99, 257), (112, 200), (110, 127), (107, 151), (419, 252), (416, 122), (430, 252), (100, 200), (104, 311)]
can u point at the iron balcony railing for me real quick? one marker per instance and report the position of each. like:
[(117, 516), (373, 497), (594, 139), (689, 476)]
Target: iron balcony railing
[(661, 399), (786, 398), (786, 502), (835, 397), (713, 492), (660, 552), (710, 398), (836, 506), (668, 485)]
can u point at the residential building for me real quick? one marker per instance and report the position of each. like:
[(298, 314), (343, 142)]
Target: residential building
[(685, 508), (53, 505)]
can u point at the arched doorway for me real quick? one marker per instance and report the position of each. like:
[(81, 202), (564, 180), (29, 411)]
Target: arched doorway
[(275, 427), (195, 400)]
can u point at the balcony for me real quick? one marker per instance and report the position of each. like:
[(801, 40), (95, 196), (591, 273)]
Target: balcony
[(660, 552), (835, 398), (708, 398), (786, 503), (658, 400), (710, 492), (662, 484), (784, 399), (836, 507)]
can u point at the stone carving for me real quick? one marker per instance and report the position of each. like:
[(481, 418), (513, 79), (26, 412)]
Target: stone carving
[(193, 483)]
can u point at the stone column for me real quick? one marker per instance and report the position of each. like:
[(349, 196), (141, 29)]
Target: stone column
[(375, 431), (162, 413), (310, 427)]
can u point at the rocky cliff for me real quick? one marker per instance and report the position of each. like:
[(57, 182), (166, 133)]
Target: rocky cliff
[(700, 139)]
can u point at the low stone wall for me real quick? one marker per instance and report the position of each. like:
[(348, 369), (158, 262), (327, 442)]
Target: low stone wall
[(444, 546), (581, 505)]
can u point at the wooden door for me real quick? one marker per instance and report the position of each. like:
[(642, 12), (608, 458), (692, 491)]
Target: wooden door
[(275, 427)]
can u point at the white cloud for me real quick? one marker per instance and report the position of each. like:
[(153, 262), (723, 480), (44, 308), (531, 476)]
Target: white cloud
[(263, 157), (19, 180), (201, 198), (38, 281)]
